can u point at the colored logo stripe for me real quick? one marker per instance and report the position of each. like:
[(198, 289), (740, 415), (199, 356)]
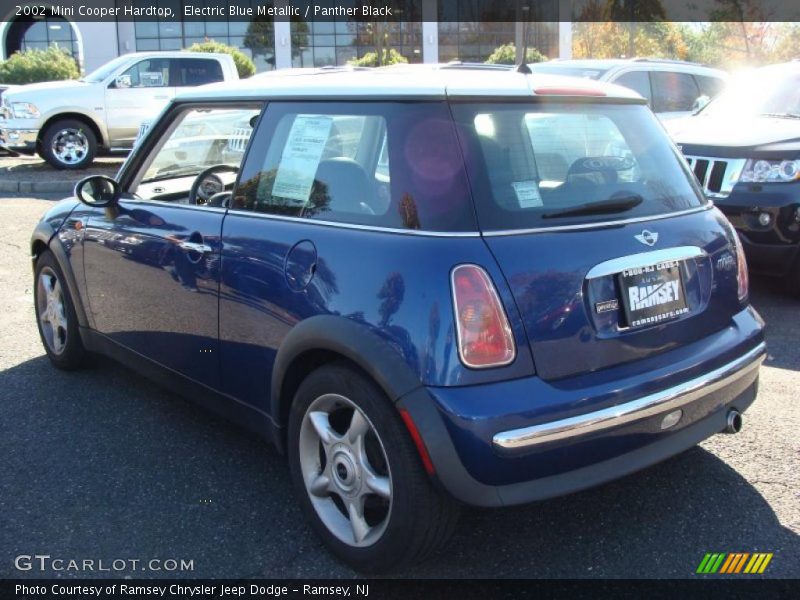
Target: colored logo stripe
[(734, 562)]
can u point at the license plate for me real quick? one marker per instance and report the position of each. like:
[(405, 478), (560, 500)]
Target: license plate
[(652, 294)]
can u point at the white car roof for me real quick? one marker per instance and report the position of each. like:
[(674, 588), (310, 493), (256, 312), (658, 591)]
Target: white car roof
[(405, 81)]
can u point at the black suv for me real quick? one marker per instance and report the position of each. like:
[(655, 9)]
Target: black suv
[(744, 148)]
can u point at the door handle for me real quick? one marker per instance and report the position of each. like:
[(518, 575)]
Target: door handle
[(161, 97), (198, 247)]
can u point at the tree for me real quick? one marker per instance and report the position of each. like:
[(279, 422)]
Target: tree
[(244, 65), (33, 66), (507, 55), (389, 56)]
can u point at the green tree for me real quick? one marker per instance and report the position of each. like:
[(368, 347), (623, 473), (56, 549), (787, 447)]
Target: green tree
[(33, 66), (507, 53), (389, 56), (244, 65)]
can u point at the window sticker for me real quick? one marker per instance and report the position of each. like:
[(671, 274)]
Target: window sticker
[(301, 157), (151, 79), (527, 193)]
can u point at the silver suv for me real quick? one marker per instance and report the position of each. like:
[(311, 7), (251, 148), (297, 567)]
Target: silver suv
[(673, 88)]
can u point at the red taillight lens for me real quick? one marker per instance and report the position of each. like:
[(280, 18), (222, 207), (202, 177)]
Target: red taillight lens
[(741, 261), (484, 335)]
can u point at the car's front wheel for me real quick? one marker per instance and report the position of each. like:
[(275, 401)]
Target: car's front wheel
[(68, 144), (358, 474), (55, 315)]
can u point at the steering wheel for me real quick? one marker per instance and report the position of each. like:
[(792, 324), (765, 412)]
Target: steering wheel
[(607, 166), (208, 184)]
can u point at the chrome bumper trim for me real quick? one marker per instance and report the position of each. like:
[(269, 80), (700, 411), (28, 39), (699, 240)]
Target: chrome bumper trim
[(18, 138), (645, 259), (614, 416)]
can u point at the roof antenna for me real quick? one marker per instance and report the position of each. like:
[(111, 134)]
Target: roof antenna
[(522, 67)]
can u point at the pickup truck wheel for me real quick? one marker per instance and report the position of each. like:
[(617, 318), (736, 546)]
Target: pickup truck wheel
[(69, 144), (358, 475)]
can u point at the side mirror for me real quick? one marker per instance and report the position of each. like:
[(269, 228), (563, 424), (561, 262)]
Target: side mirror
[(98, 191), (123, 81), (700, 104)]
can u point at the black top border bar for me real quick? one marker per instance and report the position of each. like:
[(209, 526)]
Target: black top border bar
[(451, 11)]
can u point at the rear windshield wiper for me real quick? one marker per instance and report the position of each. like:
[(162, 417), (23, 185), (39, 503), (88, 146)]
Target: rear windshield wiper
[(781, 115), (612, 205)]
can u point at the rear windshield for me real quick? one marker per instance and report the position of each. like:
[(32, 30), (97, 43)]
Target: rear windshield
[(548, 164)]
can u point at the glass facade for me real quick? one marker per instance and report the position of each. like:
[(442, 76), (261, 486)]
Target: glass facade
[(465, 35), (462, 32), (255, 38), (55, 31), (322, 44)]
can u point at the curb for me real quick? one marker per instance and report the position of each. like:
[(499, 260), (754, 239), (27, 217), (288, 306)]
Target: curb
[(37, 187)]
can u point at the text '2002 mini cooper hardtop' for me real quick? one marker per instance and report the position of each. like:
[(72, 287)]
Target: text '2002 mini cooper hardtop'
[(426, 285)]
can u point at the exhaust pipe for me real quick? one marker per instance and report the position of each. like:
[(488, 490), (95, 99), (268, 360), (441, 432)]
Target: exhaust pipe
[(733, 424)]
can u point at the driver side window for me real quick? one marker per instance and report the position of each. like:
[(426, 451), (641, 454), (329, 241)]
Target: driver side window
[(198, 157)]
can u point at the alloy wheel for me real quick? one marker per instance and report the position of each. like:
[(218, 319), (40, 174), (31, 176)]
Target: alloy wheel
[(70, 146), (52, 311), (345, 470)]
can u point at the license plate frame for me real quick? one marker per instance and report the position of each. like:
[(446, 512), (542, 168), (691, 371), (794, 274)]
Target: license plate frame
[(652, 294)]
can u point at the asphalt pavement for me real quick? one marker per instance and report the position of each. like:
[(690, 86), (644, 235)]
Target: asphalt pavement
[(101, 465)]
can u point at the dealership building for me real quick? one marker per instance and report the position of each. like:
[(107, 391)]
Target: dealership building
[(432, 31)]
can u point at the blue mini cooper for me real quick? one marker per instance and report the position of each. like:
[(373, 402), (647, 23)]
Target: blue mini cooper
[(427, 286)]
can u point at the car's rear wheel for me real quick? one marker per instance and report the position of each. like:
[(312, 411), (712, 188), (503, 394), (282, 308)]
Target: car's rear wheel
[(55, 315), (69, 144), (358, 474)]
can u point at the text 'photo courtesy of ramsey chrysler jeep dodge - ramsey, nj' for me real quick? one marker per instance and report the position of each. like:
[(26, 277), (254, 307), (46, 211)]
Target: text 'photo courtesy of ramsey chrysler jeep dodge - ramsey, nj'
[(428, 288)]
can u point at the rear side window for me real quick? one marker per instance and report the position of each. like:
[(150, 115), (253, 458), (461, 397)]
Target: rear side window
[(709, 86), (195, 71), (673, 92), (549, 164), (638, 81), (394, 165)]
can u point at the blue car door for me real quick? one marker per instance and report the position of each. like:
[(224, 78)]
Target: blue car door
[(152, 279), (152, 262)]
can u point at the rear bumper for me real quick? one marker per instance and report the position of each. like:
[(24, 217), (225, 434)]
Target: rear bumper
[(662, 402), (481, 461)]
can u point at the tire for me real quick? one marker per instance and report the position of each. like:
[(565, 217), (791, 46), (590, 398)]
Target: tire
[(69, 144), (792, 283), (55, 315), (415, 520)]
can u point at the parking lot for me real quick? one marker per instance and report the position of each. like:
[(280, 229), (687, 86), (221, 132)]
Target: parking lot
[(99, 464)]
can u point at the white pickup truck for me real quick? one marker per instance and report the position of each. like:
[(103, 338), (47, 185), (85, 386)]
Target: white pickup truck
[(67, 122)]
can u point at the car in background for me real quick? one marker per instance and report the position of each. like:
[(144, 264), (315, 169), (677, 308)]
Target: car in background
[(68, 122), (744, 148), (4, 87), (427, 285), (672, 88)]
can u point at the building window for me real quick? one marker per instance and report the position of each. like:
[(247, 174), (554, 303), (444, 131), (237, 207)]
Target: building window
[(465, 35), (255, 38), (326, 43), (40, 35)]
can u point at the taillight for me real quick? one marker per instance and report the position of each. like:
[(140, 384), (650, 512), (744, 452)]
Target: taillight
[(742, 275), (484, 335)]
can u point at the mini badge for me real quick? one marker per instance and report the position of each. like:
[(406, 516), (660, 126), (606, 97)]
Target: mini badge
[(606, 306)]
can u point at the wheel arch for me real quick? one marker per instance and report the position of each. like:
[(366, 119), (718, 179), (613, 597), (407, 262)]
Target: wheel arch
[(326, 338), (43, 240), (78, 116)]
